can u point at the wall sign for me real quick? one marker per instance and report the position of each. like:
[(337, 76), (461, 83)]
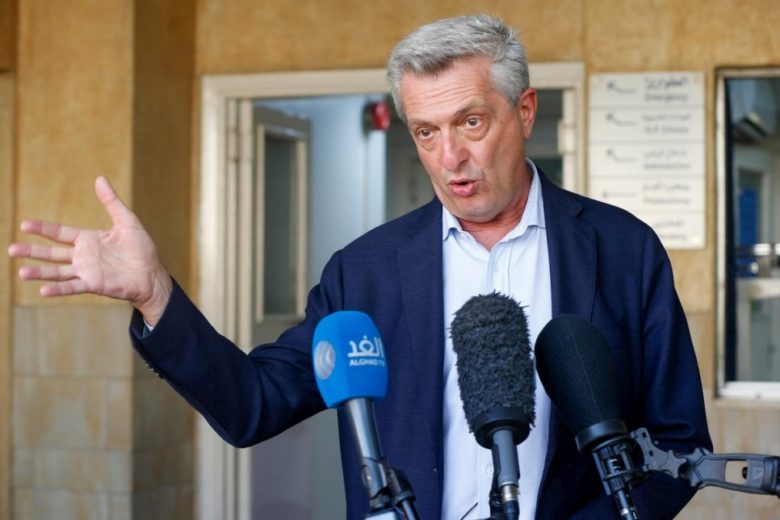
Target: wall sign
[(646, 150)]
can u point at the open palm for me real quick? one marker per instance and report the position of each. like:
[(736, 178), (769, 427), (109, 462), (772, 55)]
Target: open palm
[(120, 262)]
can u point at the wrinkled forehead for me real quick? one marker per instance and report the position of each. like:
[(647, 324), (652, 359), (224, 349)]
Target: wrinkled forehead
[(435, 97), (472, 71), (475, 70)]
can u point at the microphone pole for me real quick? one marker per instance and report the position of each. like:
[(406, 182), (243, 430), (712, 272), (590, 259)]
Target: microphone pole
[(611, 449), (351, 370), (385, 486), (360, 414)]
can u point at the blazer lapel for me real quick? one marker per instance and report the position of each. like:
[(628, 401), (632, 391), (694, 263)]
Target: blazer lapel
[(420, 268), (572, 248), (571, 245)]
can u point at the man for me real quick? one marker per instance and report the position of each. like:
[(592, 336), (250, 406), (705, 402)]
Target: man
[(496, 224)]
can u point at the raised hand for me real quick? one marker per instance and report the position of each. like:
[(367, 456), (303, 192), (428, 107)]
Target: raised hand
[(120, 262)]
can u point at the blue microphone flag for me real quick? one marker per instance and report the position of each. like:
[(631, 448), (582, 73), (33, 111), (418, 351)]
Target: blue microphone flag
[(349, 358)]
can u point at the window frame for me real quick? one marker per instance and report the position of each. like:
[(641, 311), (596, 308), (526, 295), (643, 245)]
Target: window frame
[(743, 390)]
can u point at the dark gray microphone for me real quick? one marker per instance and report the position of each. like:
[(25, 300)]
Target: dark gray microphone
[(576, 367), (497, 383)]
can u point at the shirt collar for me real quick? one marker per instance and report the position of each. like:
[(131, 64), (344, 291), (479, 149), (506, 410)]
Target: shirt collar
[(533, 215)]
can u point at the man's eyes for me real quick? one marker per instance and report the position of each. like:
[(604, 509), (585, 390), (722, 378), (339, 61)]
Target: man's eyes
[(424, 133), (473, 122), (470, 123)]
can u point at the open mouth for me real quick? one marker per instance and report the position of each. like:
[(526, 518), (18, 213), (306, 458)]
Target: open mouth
[(463, 188)]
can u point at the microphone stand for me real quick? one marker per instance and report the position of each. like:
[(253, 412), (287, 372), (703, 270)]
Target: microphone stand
[(497, 509), (618, 474), (701, 468), (501, 430), (504, 490), (388, 489), (611, 445), (396, 494)]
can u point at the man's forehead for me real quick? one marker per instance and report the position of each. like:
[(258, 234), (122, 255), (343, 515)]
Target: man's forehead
[(446, 93)]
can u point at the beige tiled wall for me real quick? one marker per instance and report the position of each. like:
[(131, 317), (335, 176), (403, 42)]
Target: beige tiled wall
[(95, 434), (72, 412), (163, 444)]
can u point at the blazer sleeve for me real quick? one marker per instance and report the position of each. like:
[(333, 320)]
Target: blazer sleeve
[(673, 406), (246, 398), (668, 400)]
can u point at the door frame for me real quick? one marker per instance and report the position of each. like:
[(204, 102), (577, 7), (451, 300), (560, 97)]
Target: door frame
[(223, 472)]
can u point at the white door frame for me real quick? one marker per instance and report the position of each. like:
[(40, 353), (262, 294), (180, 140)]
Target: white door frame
[(222, 471), (222, 481)]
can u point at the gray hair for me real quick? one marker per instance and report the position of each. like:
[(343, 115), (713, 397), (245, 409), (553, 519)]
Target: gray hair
[(434, 47)]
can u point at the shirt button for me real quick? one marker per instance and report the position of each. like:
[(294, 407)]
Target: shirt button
[(488, 469)]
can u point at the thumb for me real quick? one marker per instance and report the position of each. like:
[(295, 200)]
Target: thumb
[(114, 206)]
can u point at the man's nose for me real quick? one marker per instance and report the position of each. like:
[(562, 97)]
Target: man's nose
[(453, 152)]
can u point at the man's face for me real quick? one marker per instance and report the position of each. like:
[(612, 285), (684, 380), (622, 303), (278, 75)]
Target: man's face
[(471, 140)]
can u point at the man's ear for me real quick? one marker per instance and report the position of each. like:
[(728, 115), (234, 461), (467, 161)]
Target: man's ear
[(526, 109)]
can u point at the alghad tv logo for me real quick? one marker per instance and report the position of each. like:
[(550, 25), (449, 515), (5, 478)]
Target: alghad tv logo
[(367, 352)]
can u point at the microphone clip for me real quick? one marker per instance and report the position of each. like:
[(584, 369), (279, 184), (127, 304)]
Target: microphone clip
[(760, 474), (498, 500), (611, 447), (615, 465), (391, 496)]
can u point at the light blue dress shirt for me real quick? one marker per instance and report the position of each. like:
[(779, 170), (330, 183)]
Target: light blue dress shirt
[(518, 266)]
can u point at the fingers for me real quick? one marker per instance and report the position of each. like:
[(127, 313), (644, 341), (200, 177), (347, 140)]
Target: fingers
[(55, 273), (41, 252), (68, 288), (51, 230), (114, 206), (52, 273), (65, 276)]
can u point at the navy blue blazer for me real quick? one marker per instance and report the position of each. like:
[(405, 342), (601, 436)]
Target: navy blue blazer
[(605, 265)]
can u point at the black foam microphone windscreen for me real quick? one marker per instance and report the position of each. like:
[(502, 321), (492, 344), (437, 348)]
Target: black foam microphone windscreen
[(578, 372), (490, 337)]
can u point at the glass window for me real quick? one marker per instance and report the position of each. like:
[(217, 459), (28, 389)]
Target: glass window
[(280, 208), (749, 222)]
